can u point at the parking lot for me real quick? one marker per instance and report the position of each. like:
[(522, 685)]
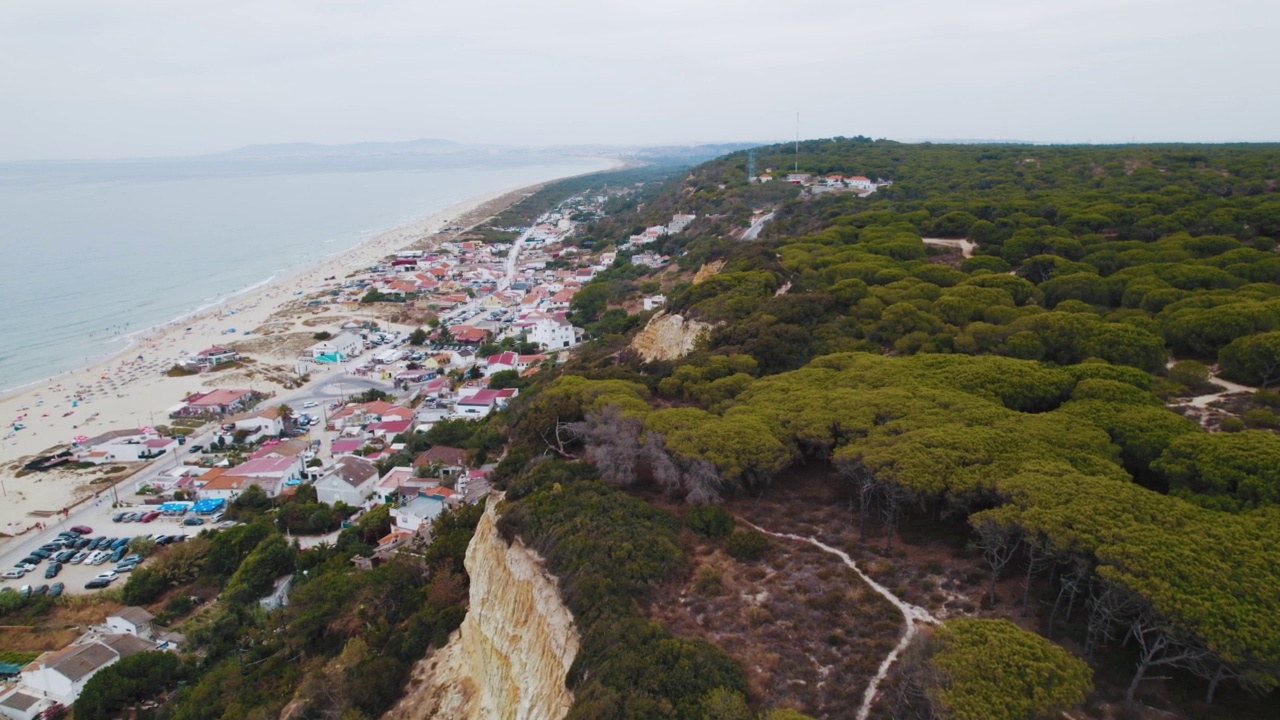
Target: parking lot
[(75, 576)]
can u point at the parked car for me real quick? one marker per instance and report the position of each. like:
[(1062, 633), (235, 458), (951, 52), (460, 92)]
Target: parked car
[(310, 404), (79, 557), (31, 560), (135, 557), (118, 517), (118, 553), (53, 570), (26, 591), (96, 543), (40, 590), (193, 521), (83, 543), (162, 539), (82, 529), (56, 589), (150, 516), (65, 556), (109, 575), (125, 567), (195, 449), (14, 573), (96, 583), (178, 538), (41, 553), (119, 543)]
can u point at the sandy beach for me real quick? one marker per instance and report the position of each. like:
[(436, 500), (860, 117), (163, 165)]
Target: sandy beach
[(131, 390)]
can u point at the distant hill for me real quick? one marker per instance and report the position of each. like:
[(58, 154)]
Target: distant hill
[(408, 147)]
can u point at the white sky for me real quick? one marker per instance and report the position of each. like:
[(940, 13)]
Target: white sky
[(123, 78)]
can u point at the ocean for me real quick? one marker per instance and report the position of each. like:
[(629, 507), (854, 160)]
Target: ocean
[(94, 252)]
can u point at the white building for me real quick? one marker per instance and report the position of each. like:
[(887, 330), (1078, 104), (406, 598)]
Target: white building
[(130, 621), (352, 480), (679, 223), (420, 511), (552, 333), (859, 182), (345, 346), (59, 676), (654, 301)]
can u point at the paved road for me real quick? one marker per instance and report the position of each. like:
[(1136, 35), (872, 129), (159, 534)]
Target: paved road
[(753, 232)]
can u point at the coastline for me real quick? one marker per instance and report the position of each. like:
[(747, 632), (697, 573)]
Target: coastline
[(129, 388)]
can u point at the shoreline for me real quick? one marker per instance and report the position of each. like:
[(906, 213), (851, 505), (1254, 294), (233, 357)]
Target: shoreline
[(122, 391), (422, 225)]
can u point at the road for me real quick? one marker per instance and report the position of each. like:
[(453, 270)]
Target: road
[(753, 232)]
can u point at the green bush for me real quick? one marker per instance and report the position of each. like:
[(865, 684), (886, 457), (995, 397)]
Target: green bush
[(746, 545), (709, 520)]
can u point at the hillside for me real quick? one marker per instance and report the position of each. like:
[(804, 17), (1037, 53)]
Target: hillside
[(1025, 425)]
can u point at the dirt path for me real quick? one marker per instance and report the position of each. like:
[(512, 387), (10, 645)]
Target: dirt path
[(966, 247), (911, 613)]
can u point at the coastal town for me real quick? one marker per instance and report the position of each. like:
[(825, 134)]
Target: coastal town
[(437, 334)]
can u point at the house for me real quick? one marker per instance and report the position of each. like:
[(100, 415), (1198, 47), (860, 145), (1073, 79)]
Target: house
[(361, 414), (449, 460), (210, 358), (500, 362), (266, 423), (131, 621), (679, 223), (337, 349), (219, 484), (18, 705), (419, 511), (798, 178), (480, 404), (122, 446), (61, 675), (348, 446), (859, 182), (214, 402), (400, 482), (270, 473), (552, 332), (468, 335), (654, 301), (351, 480)]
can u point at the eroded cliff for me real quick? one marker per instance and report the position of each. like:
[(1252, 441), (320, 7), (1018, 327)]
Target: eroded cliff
[(668, 337), (510, 657)]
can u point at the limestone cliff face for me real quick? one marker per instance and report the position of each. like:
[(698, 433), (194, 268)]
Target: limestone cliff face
[(668, 337), (511, 655)]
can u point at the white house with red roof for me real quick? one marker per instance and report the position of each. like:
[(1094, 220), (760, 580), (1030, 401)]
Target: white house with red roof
[(502, 361), (859, 182), (552, 332)]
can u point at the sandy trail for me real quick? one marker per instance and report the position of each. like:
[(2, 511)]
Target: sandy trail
[(912, 614), (966, 247)]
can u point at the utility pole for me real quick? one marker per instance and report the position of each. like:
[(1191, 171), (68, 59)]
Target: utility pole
[(797, 141)]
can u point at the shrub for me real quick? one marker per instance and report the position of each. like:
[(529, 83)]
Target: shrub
[(707, 581), (1232, 425), (746, 545), (709, 520)]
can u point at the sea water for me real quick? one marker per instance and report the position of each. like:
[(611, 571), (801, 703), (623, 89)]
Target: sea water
[(93, 253)]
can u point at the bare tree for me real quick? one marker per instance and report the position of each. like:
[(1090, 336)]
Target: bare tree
[(664, 470), (998, 542), (1159, 645), (1070, 584), (702, 481), (893, 503), (612, 443), (1036, 558)]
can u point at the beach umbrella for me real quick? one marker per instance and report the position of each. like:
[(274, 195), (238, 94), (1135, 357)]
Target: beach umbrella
[(148, 429), (80, 439)]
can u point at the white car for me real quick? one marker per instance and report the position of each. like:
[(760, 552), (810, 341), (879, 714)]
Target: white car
[(14, 573), (310, 404), (108, 575)]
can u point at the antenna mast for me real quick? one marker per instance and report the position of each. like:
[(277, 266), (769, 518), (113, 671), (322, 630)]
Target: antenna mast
[(797, 141)]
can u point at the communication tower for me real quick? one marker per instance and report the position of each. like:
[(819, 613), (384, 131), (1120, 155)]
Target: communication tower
[(751, 165)]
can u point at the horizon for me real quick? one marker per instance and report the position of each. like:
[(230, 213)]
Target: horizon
[(141, 78)]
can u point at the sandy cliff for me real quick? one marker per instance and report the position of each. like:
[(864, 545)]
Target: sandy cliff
[(667, 337), (510, 657)]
